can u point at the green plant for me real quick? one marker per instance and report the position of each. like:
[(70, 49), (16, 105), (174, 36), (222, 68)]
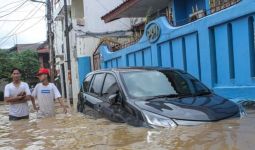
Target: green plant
[(27, 61)]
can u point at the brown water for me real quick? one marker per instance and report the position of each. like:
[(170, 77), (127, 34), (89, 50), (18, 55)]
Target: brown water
[(79, 132)]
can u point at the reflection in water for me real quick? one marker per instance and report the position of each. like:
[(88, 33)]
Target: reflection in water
[(77, 131)]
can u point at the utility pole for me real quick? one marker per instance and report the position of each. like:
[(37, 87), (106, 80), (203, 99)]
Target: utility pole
[(50, 40), (69, 74), (67, 36), (49, 37)]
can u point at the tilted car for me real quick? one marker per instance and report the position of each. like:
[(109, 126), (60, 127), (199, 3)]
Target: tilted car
[(152, 97)]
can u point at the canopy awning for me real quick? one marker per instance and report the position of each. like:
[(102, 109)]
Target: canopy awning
[(135, 9)]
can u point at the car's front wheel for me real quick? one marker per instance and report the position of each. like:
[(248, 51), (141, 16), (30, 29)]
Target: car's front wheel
[(80, 104)]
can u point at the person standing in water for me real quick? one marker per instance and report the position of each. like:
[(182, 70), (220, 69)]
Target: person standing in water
[(45, 93), (16, 94)]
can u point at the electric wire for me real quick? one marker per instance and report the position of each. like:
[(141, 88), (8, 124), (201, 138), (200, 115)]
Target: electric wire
[(11, 4), (28, 28), (18, 26), (8, 9), (14, 9), (10, 20)]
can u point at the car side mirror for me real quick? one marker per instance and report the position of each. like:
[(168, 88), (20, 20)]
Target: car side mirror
[(113, 99)]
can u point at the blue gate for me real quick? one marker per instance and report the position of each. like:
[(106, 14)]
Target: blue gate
[(218, 50)]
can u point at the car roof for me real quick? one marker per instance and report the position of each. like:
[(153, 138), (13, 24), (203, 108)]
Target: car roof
[(127, 69)]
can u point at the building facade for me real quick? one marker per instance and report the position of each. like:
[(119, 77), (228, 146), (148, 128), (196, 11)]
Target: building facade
[(211, 39), (44, 55), (85, 30)]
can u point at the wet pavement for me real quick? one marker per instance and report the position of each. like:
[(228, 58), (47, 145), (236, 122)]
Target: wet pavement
[(76, 131)]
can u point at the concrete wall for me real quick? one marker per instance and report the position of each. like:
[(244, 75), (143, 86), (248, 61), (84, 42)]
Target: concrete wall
[(218, 50)]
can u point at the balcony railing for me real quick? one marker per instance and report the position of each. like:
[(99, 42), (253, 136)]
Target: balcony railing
[(222, 5), (198, 14)]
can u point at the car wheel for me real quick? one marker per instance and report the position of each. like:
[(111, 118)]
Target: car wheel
[(80, 106), (83, 108)]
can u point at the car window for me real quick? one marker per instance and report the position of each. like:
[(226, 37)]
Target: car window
[(96, 86), (197, 85), (180, 84), (141, 84), (110, 86), (147, 83), (86, 83)]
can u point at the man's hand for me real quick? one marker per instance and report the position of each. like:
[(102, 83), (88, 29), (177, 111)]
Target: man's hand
[(65, 108), (21, 97), (22, 94)]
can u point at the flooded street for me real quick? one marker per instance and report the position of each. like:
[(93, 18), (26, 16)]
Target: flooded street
[(79, 132)]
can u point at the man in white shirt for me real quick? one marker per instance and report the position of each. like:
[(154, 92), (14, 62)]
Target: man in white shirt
[(45, 93), (16, 94)]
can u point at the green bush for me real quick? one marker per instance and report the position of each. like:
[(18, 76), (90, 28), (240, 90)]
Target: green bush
[(1, 95)]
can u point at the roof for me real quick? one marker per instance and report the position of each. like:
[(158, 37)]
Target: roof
[(43, 45), (134, 9), (43, 48), (125, 69), (23, 47)]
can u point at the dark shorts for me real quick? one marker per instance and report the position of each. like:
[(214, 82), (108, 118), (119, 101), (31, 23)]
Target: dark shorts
[(13, 118)]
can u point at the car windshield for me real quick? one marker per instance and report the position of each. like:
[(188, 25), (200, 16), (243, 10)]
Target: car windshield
[(141, 84)]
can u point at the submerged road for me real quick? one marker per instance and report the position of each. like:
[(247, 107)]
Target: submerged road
[(75, 131)]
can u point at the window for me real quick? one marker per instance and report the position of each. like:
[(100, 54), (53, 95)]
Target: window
[(197, 85), (180, 84), (110, 86), (86, 83), (150, 83), (97, 84)]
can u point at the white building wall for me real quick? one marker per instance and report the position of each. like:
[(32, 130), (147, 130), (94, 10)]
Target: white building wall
[(58, 47), (92, 12), (87, 45)]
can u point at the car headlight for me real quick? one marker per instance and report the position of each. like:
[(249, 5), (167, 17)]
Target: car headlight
[(155, 120)]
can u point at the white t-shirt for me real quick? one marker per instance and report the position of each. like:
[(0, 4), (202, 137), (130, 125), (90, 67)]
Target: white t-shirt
[(45, 96), (17, 110)]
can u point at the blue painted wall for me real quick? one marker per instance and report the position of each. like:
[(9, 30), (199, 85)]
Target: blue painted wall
[(84, 67), (218, 50)]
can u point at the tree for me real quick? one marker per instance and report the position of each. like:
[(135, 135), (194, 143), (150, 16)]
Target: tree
[(5, 67), (27, 61)]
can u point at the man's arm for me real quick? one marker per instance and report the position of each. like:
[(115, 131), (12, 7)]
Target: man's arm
[(59, 98), (33, 103), (7, 96), (13, 99), (33, 97), (62, 104)]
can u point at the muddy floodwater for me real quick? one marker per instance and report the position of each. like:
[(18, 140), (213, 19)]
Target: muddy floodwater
[(76, 131)]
